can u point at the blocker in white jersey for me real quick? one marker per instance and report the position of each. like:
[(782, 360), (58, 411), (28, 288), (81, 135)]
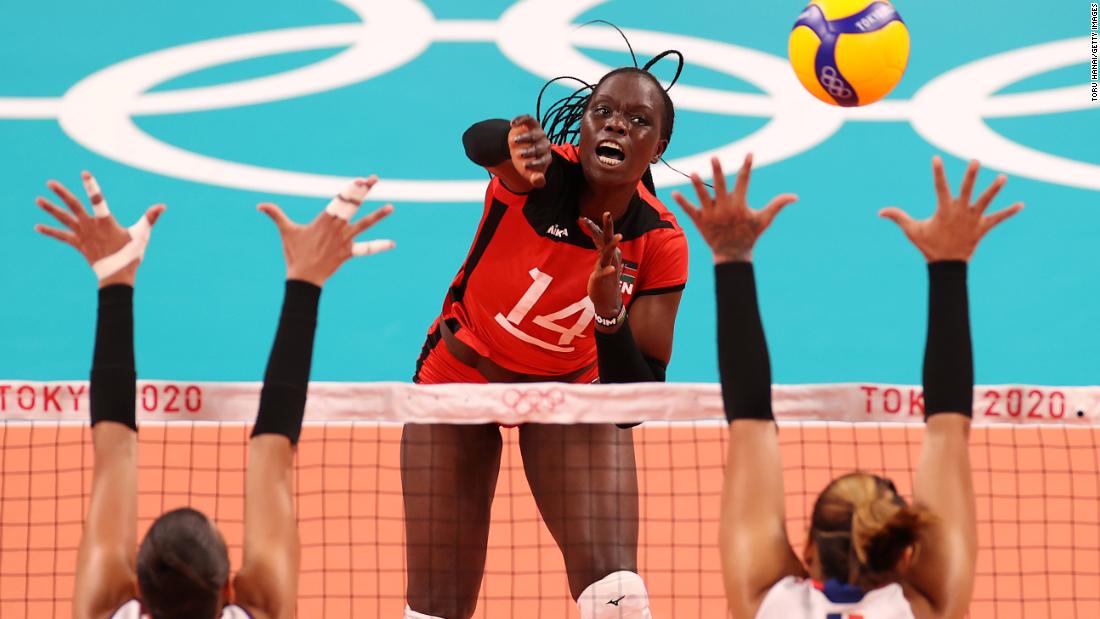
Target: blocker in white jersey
[(804, 598), (881, 556), (182, 565), (132, 610)]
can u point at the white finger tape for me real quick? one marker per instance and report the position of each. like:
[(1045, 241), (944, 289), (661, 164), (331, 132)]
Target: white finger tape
[(369, 248), (347, 202), (99, 203), (134, 249)]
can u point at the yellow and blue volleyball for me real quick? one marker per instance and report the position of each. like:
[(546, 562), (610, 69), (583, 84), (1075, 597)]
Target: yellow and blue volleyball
[(849, 52)]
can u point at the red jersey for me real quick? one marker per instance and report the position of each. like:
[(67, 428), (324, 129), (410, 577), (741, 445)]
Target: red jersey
[(521, 297)]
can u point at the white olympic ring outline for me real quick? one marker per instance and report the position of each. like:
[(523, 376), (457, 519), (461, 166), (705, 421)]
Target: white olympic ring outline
[(948, 112)]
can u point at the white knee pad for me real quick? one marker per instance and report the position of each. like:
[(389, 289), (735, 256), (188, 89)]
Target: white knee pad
[(412, 614), (621, 595)]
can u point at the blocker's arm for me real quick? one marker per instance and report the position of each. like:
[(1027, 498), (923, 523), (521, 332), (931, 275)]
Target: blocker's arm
[(267, 584), (105, 571), (753, 536)]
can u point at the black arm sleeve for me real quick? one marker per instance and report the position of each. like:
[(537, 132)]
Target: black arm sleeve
[(286, 381), (743, 363), (948, 358), (486, 142), (113, 390), (620, 360)]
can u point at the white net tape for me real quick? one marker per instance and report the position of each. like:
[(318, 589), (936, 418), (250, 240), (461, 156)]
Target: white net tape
[(160, 401)]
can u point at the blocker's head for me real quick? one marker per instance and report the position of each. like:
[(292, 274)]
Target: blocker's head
[(862, 532), (183, 567)]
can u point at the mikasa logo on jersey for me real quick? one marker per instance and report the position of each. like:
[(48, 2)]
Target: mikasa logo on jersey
[(557, 231)]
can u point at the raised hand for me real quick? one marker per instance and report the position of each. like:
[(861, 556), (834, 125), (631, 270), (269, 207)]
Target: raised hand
[(603, 285), (113, 251), (953, 231), (726, 222), (315, 250), (530, 149)]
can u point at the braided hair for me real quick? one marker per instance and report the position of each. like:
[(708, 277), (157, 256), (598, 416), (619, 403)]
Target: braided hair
[(562, 119)]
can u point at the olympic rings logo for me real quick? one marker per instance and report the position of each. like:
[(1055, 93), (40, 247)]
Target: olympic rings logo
[(949, 111), (533, 401), (833, 83)]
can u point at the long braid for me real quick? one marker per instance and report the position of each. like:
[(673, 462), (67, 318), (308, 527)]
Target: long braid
[(562, 119)]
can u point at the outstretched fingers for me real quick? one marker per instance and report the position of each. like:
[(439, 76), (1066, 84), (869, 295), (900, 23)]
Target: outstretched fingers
[(95, 194), (943, 189), (688, 208), (899, 217), (593, 231), (706, 202), (777, 204), (370, 219), (741, 189), (58, 213), (369, 248), (612, 259), (610, 254), (62, 235), (154, 212), (719, 178), (347, 202), (990, 193), (608, 227), (282, 222), (967, 188), (991, 221), (68, 198)]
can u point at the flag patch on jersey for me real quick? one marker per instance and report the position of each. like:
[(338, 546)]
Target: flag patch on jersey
[(630, 272), (842, 616)]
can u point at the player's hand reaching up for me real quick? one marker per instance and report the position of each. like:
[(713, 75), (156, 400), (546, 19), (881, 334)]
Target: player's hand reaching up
[(726, 222), (604, 288), (315, 250), (953, 231), (113, 251), (530, 149)]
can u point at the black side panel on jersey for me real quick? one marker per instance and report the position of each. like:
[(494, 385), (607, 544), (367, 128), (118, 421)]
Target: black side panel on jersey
[(484, 236), (552, 210)]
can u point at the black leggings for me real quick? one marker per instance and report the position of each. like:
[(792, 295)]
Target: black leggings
[(584, 481)]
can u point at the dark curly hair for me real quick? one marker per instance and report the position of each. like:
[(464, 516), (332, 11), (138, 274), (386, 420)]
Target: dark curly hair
[(182, 566)]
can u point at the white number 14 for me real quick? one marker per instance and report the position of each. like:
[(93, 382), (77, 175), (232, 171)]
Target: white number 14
[(512, 321)]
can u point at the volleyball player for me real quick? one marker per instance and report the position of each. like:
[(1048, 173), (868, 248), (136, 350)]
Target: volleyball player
[(570, 235), (181, 570), (869, 553)]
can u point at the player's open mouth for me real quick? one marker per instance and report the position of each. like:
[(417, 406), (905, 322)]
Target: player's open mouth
[(609, 153)]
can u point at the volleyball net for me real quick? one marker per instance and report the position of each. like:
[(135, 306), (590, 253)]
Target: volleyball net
[(1035, 453)]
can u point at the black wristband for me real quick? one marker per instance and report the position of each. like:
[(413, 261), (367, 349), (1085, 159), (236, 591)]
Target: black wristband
[(486, 142), (112, 394), (948, 357), (743, 364), (286, 381)]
